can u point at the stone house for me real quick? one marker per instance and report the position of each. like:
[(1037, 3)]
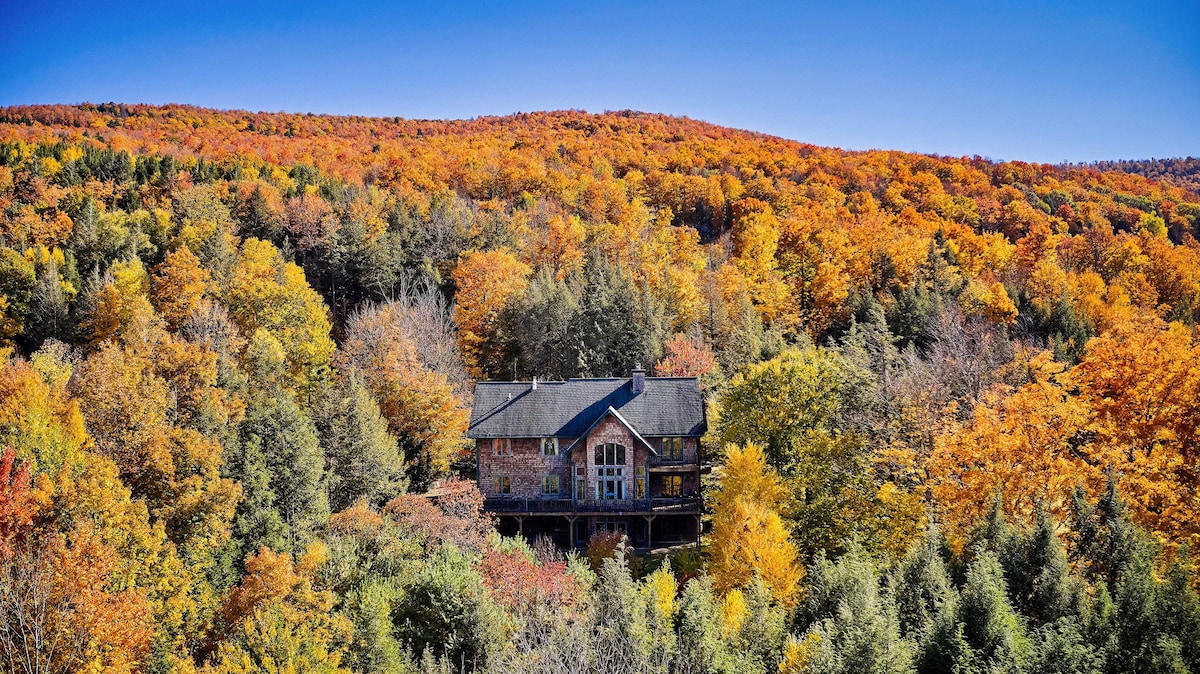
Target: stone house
[(566, 459)]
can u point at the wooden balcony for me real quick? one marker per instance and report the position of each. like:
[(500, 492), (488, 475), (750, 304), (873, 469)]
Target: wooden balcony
[(502, 505)]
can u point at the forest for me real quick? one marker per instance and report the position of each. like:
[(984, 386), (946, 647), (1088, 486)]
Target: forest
[(954, 404)]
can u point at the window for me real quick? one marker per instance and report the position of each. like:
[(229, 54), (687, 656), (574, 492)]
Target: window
[(672, 486), (581, 488), (607, 525), (501, 446), (672, 449), (549, 446), (503, 485), (610, 454), (610, 484), (640, 491), (550, 484)]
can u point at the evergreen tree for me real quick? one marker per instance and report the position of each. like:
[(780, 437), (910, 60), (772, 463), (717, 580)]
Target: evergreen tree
[(364, 461), (1179, 608), (703, 646), (763, 630), (543, 324), (990, 625), (281, 461), (857, 627), (1040, 585), (923, 589), (49, 313), (445, 611)]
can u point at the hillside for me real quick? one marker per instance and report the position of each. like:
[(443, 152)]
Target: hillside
[(1182, 172), (960, 397)]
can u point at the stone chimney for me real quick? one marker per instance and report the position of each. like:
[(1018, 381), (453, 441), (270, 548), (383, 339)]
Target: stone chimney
[(534, 387), (639, 379)]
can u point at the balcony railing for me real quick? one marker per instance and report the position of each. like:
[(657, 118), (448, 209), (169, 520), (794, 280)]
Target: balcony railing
[(502, 504), (666, 462)]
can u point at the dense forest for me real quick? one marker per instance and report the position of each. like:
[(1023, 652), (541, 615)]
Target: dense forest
[(954, 404), (1183, 172)]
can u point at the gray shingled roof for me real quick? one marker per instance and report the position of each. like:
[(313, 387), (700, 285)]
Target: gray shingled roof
[(565, 409)]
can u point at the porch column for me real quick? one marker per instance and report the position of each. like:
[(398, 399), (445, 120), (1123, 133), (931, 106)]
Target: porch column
[(649, 528), (571, 528)]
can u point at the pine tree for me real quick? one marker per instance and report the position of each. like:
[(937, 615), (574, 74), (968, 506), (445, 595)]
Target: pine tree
[(994, 630), (922, 588), (613, 331), (543, 324), (856, 625), (49, 313), (363, 458), (279, 438)]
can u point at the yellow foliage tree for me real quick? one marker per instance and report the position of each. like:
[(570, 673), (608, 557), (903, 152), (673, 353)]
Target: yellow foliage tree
[(487, 282), (179, 284), (267, 292), (755, 241), (1017, 446), (749, 538), (420, 404), (1141, 386)]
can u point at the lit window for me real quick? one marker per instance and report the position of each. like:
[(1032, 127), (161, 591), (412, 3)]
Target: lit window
[(503, 484), (549, 446), (502, 446), (672, 449), (672, 486), (550, 484)]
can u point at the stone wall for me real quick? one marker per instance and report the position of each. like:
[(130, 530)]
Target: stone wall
[(525, 468)]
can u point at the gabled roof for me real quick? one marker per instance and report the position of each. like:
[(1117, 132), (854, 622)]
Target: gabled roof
[(610, 412), (666, 406)]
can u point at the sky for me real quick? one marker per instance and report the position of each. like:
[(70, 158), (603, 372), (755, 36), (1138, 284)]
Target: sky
[(1034, 81)]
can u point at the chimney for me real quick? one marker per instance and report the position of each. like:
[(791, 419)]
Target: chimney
[(534, 387), (639, 379)]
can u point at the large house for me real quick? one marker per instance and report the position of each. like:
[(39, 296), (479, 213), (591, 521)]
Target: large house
[(566, 459)]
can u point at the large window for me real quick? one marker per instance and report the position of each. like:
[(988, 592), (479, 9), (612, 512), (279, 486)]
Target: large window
[(607, 525), (672, 486), (549, 446), (672, 449), (610, 454), (501, 447), (550, 484), (610, 472), (502, 484), (610, 484)]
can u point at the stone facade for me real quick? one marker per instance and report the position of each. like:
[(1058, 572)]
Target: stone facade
[(525, 468), (652, 494)]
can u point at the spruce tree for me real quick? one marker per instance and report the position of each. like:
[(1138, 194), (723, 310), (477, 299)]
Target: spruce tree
[(994, 630), (363, 458), (856, 625), (923, 589), (279, 441)]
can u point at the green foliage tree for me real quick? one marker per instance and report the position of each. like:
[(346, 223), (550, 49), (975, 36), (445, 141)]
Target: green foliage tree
[(364, 461), (782, 401), (280, 462), (446, 612), (855, 624)]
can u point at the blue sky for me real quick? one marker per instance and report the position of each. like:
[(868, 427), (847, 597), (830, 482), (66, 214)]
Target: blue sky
[(1037, 81)]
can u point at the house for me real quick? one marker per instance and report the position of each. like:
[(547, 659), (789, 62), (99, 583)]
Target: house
[(567, 459)]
